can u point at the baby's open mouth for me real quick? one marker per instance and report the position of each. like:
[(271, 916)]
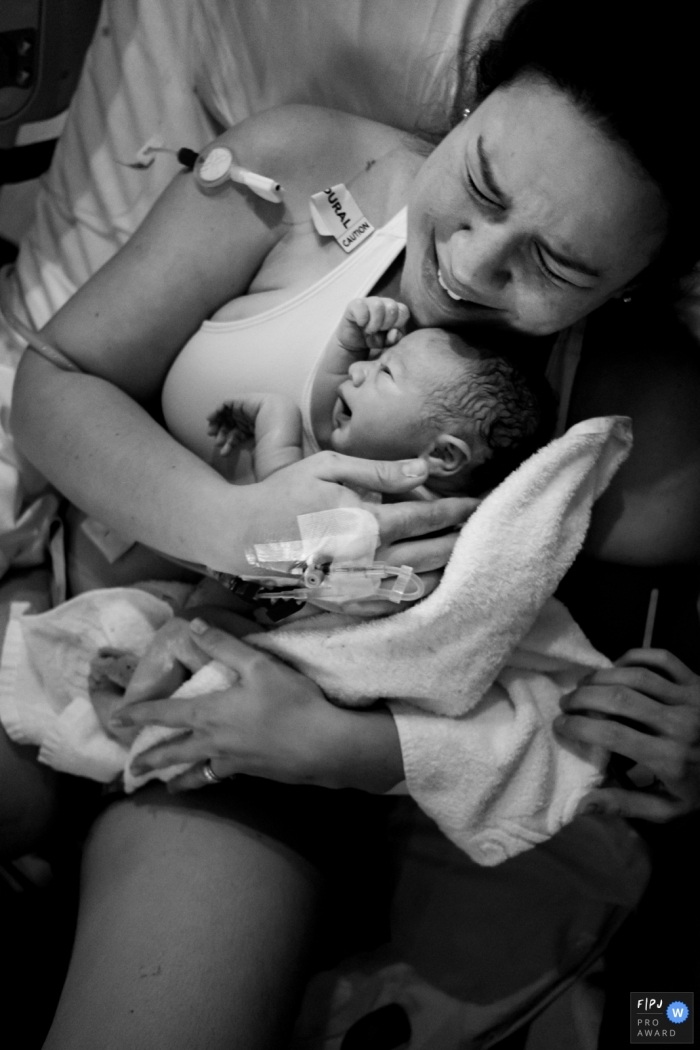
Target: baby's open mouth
[(342, 411)]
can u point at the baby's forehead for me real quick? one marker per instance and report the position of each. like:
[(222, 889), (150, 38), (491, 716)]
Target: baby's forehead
[(437, 348)]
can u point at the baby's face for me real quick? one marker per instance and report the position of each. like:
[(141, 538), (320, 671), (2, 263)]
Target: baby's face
[(380, 412)]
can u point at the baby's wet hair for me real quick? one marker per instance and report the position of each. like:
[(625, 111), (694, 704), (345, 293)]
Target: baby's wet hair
[(510, 410)]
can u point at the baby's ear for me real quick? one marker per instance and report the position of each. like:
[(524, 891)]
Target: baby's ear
[(447, 456)]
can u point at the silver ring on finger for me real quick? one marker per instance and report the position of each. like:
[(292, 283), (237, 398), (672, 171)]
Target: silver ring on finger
[(209, 775)]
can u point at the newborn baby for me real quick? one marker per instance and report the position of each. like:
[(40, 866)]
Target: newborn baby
[(380, 393)]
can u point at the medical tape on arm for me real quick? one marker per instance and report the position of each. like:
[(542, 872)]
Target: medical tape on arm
[(345, 536), (332, 563)]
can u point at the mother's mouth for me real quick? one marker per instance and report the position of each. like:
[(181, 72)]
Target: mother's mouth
[(458, 298), (452, 295)]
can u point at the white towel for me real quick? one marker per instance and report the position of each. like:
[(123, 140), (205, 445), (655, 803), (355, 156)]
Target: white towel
[(489, 652), (442, 653), (495, 779), (44, 679), (44, 688), (475, 672)]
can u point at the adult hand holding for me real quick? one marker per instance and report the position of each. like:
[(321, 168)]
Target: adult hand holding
[(273, 723), (647, 708), (173, 655), (327, 480)]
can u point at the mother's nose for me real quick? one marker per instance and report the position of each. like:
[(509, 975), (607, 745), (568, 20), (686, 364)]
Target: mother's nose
[(479, 258)]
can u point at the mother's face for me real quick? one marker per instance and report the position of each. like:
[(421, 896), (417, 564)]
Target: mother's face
[(526, 216)]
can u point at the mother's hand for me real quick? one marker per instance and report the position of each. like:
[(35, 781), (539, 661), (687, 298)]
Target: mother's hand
[(422, 534), (321, 482), (408, 538), (658, 700), (273, 723)]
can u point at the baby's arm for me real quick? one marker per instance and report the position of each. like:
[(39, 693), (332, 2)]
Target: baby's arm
[(272, 421), (368, 324)]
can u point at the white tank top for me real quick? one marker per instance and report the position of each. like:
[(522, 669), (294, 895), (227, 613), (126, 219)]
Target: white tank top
[(277, 351)]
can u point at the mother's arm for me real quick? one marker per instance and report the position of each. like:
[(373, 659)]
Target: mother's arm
[(91, 433)]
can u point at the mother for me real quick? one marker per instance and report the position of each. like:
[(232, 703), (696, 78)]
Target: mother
[(563, 190)]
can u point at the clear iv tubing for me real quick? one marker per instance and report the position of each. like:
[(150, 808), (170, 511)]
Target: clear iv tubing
[(34, 340)]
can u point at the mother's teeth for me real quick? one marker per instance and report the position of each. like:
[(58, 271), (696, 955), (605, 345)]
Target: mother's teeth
[(457, 298)]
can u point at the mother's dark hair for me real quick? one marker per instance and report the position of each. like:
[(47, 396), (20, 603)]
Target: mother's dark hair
[(634, 76)]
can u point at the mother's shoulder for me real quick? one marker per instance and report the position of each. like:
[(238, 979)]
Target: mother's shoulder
[(311, 146)]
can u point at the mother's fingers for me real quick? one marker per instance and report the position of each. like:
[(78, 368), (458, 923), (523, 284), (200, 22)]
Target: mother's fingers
[(634, 804), (646, 708), (155, 676), (378, 475), (671, 760), (401, 521), (624, 702), (424, 556), (193, 779), (166, 662), (642, 695), (181, 751), (230, 651), (175, 712), (661, 660), (643, 680)]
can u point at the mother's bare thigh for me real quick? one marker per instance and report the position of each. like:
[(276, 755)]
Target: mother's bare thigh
[(194, 927)]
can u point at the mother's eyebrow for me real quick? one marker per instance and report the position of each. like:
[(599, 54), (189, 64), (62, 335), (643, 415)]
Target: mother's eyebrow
[(489, 177)]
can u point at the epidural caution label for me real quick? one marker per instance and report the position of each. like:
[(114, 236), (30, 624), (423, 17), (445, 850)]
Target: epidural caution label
[(335, 213)]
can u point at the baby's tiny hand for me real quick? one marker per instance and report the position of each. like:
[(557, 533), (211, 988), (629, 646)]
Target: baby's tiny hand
[(230, 426), (372, 324), (111, 671)]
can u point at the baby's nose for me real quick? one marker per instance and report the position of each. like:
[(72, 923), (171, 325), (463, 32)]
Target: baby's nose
[(357, 372)]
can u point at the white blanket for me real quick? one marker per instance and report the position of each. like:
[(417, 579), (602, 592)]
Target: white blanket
[(474, 673), (489, 652)]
